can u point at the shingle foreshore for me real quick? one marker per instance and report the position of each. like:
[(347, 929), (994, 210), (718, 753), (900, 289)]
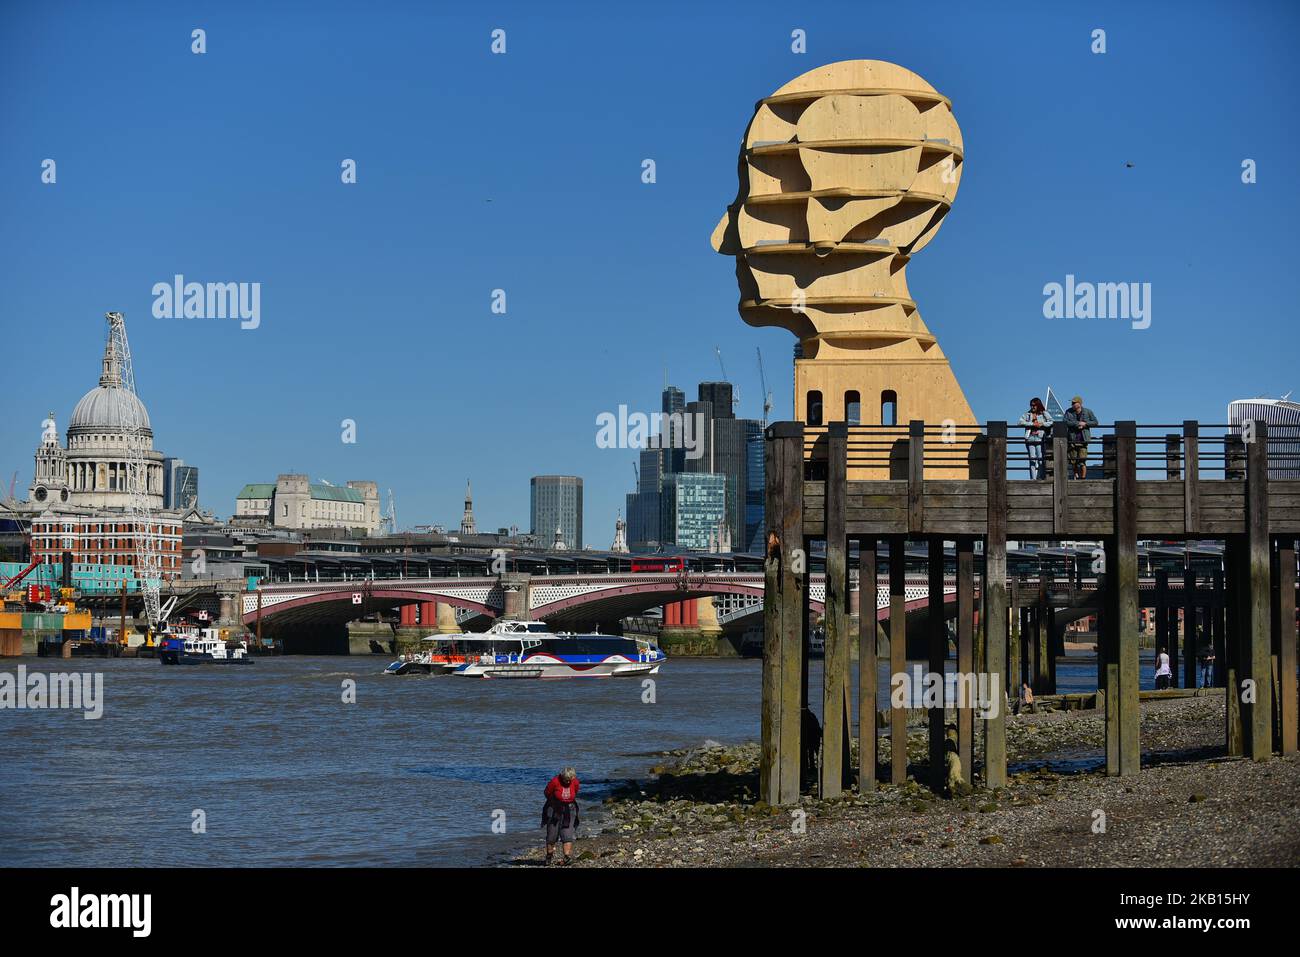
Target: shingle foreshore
[(1190, 806)]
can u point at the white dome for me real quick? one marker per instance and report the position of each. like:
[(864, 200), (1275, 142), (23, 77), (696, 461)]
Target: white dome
[(108, 409)]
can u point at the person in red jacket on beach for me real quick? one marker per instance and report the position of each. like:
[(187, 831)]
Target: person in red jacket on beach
[(560, 813)]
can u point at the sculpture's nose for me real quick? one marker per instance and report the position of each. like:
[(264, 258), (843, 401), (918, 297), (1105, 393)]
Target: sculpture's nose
[(719, 238)]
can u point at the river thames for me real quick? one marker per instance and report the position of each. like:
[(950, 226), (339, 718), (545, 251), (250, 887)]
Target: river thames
[(415, 773)]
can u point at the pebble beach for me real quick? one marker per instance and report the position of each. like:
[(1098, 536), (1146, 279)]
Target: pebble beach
[(1192, 806)]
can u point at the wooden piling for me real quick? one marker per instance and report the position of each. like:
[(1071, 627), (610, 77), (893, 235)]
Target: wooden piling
[(1015, 664), (1257, 714), (1061, 473), (786, 578), (1123, 714), (1042, 639), (915, 477), (966, 653), (938, 649), (1173, 457), (835, 667), (995, 607), (1191, 477), (1190, 644), (1234, 734), (1218, 608), (897, 655), (868, 668), (1055, 645), (1284, 645)]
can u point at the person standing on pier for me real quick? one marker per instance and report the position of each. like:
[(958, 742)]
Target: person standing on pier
[(1037, 421), (1163, 671), (560, 813), (1079, 423)]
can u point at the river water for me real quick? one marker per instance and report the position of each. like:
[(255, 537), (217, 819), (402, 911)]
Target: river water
[(418, 771)]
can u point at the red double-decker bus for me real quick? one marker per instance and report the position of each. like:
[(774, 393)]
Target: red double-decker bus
[(661, 564)]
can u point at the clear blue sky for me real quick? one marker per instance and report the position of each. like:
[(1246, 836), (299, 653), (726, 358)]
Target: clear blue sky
[(523, 172)]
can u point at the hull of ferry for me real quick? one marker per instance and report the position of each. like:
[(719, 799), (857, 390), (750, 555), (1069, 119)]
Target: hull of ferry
[(418, 667), (545, 665)]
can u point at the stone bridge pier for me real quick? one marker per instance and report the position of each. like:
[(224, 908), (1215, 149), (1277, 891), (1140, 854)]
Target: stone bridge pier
[(515, 591)]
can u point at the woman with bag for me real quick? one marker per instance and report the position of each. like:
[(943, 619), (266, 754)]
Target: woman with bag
[(560, 814)]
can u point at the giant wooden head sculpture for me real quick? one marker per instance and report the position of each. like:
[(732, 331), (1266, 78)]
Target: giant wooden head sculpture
[(845, 173)]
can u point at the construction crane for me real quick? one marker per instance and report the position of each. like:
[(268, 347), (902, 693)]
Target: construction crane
[(767, 396), (735, 389), (144, 531), (390, 520)]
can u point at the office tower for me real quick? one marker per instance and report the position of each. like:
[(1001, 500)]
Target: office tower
[(556, 503)]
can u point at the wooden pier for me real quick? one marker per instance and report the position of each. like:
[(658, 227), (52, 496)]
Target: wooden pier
[(1189, 482)]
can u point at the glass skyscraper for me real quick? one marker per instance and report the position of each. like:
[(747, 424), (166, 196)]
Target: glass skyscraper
[(692, 507), (755, 488)]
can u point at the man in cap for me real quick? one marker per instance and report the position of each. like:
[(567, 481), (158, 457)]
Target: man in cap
[(1079, 423)]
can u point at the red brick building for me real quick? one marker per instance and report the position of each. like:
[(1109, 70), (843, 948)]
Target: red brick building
[(103, 540)]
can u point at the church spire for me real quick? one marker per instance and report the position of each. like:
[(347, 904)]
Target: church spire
[(467, 519)]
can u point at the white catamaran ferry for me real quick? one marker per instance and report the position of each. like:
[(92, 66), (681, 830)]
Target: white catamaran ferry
[(527, 649)]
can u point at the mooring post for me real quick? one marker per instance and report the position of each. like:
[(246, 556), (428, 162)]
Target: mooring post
[(785, 579), (1284, 646), (966, 677), (868, 669), (1123, 713), (897, 655), (938, 649), (1257, 662), (995, 607), (835, 668)]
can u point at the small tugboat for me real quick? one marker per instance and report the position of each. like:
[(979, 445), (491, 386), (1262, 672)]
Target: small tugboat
[(190, 646), (526, 649)]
